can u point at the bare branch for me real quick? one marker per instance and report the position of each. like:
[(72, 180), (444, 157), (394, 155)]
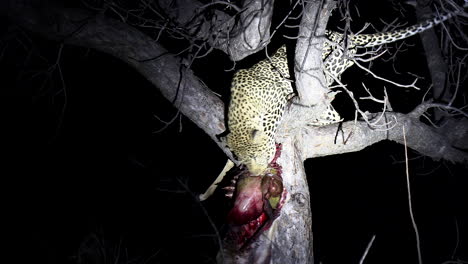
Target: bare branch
[(412, 85), (239, 36), (421, 137), (168, 73), (422, 108)]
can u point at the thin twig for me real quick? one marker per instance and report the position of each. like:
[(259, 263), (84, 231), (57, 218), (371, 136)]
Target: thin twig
[(412, 85), (369, 245), (205, 212), (457, 232), (415, 227)]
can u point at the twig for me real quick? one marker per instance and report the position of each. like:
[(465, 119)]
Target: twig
[(284, 20), (369, 245), (383, 79), (228, 4), (166, 123), (415, 227), (363, 114), (457, 239), (205, 212)]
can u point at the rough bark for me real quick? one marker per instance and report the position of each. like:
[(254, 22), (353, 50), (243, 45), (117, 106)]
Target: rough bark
[(310, 81), (352, 137), (239, 36), (293, 237)]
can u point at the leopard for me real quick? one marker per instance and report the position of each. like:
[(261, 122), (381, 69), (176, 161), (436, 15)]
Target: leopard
[(258, 98)]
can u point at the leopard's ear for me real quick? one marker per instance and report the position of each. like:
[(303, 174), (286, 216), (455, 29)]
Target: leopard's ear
[(257, 136), (254, 134)]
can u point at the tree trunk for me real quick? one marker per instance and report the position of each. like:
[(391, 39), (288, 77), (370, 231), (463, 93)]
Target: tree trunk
[(435, 61)]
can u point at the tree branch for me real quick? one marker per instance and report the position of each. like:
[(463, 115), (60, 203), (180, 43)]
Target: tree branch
[(168, 73), (352, 137), (239, 36)]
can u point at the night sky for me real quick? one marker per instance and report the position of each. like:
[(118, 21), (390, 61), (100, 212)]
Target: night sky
[(104, 170)]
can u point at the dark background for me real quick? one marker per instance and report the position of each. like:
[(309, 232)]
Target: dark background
[(105, 181)]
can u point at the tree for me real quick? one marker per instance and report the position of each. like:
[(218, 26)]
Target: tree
[(142, 34)]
